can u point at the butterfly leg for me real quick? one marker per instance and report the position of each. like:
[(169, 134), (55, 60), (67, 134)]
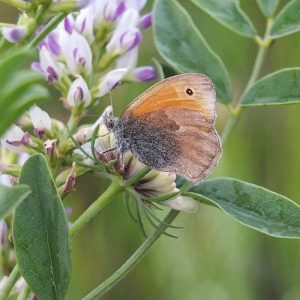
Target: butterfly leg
[(121, 159), (108, 150), (121, 150)]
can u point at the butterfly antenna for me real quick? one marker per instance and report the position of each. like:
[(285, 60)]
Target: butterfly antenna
[(110, 99)]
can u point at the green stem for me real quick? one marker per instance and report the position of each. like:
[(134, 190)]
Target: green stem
[(12, 279), (138, 176), (236, 113), (24, 293), (95, 207), (231, 121), (21, 5), (49, 27), (133, 260)]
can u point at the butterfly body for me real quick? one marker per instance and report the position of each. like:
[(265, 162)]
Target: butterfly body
[(170, 127)]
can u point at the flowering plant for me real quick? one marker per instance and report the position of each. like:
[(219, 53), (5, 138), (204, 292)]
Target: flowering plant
[(85, 50)]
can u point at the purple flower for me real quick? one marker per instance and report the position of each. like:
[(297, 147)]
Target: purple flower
[(110, 81), (52, 70), (126, 35), (84, 24), (40, 121), (78, 54), (130, 40), (145, 21), (14, 34), (53, 45), (143, 74), (68, 24), (112, 11), (14, 138), (79, 93)]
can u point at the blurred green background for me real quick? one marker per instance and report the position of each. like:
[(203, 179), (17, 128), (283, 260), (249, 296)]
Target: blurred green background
[(214, 258)]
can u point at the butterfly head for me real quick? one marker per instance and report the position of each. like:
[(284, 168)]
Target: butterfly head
[(110, 120)]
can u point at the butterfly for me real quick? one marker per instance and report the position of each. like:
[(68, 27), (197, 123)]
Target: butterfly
[(170, 127)]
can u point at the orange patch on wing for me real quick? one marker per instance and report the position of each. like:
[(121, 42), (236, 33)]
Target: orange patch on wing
[(172, 93)]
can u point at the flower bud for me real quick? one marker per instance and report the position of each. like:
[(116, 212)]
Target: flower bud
[(183, 203), (78, 54), (145, 21), (83, 134), (126, 36), (14, 138), (52, 70), (84, 24), (79, 93), (52, 43), (110, 81), (14, 34), (68, 25), (112, 11), (40, 120), (70, 182), (129, 40), (143, 74), (49, 147)]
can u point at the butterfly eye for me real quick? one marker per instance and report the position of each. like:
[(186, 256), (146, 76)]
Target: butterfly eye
[(110, 124), (189, 92)]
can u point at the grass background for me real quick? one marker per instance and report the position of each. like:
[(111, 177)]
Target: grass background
[(214, 258)]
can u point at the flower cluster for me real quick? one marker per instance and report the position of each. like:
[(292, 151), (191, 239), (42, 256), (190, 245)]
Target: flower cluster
[(86, 56), (90, 52)]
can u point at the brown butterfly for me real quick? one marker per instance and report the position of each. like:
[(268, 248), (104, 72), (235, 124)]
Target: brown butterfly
[(170, 127)]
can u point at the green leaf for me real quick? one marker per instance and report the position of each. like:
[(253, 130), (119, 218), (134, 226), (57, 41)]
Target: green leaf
[(181, 44), (281, 87), (268, 7), (41, 234), (20, 81), (19, 89), (31, 95), (288, 21), (10, 62), (252, 205), (11, 197), (228, 13)]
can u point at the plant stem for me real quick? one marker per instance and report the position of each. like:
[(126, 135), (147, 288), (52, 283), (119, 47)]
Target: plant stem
[(12, 279), (230, 123), (16, 3), (95, 207), (234, 116), (133, 260), (49, 27)]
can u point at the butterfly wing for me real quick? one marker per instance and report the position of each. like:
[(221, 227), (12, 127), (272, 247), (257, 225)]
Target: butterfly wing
[(170, 127)]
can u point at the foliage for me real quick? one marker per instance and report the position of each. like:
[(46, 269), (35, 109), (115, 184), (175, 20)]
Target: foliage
[(84, 60)]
